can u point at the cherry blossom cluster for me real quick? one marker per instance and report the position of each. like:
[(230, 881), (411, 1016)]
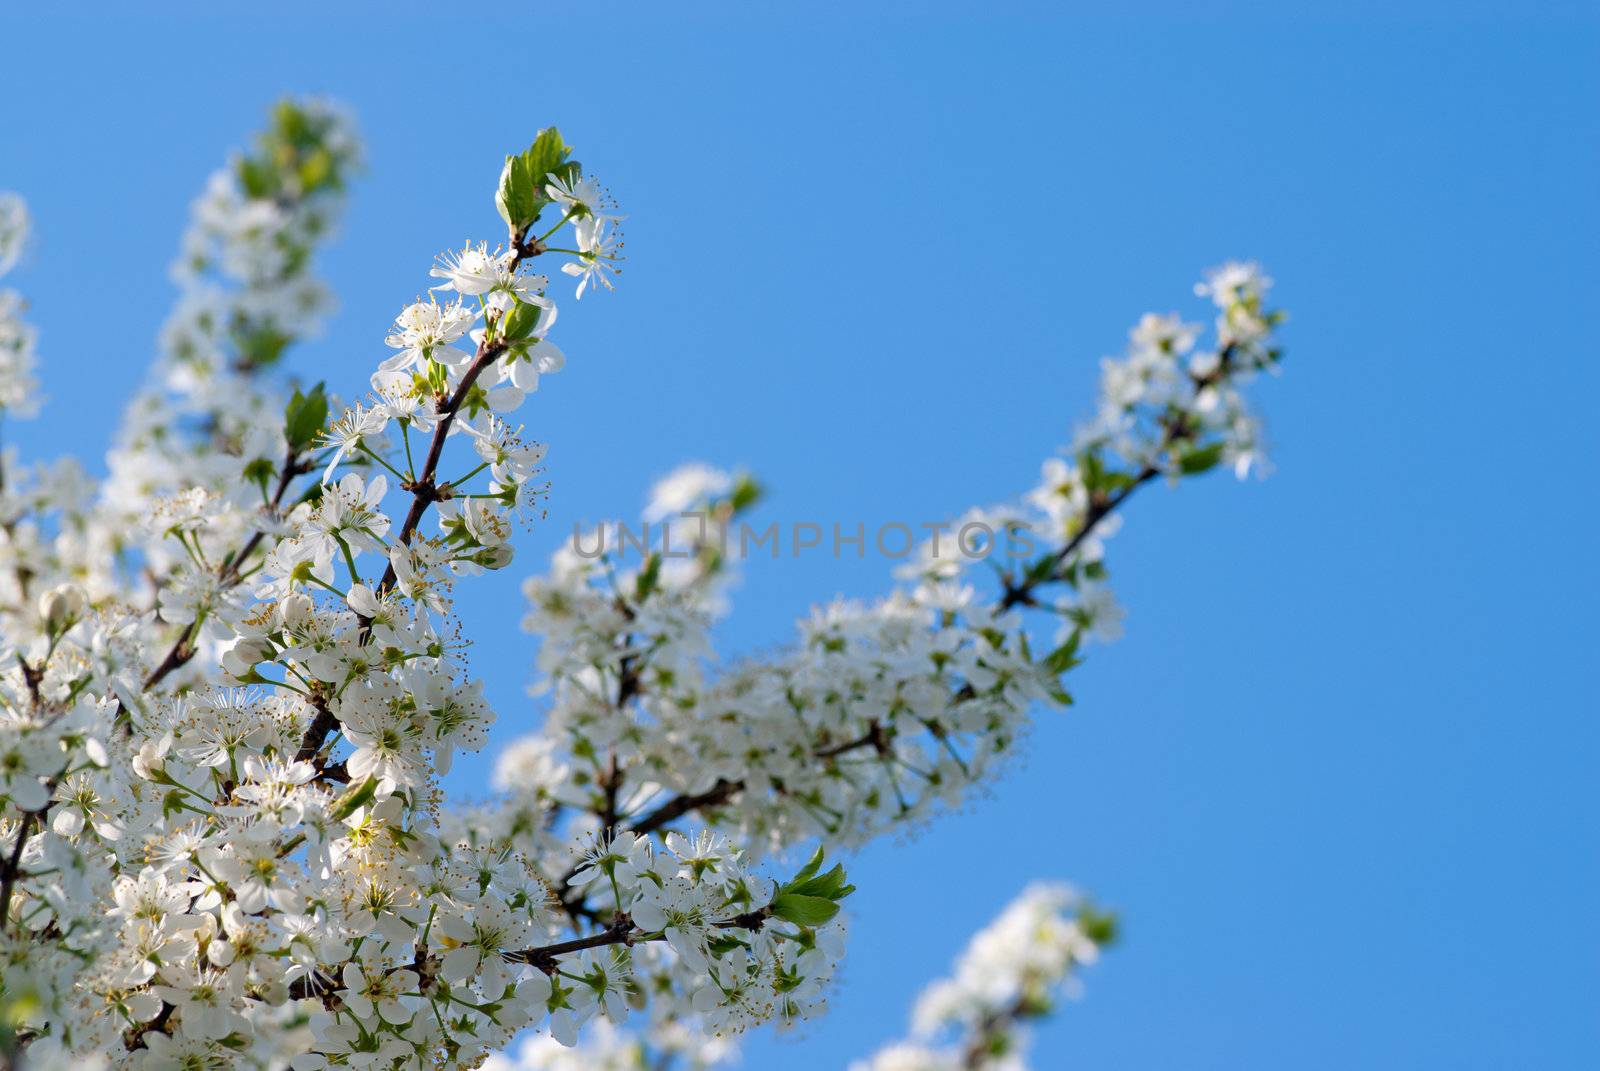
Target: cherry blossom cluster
[(1013, 971), (201, 447), (247, 295), (17, 385), (232, 678), (883, 712), (222, 810)]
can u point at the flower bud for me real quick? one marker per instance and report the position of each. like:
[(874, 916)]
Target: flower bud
[(295, 609), (362, 600), (66, 822), (497, 557), (151, 761), (62, 605), (242, 657), (487, 525)]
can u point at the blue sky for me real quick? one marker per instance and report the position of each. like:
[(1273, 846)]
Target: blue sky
[(1338, 777)]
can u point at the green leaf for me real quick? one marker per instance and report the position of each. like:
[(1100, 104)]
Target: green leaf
[(521, 321), (259, 472), (548, 153), (1042, 570), (172, 803), (293, 156), (830, 885), (1197, 461), (358, 796), (304, 417), (1093, 470), (1116, 481), (649, 577), (1064, 657), (255, 178), (317, 170), (1098, 926), (261, 347), (514, 197), (290, 123), (810, 897), (807, 871), (521, 197), (804, 910), (721, 946), (745, 494)]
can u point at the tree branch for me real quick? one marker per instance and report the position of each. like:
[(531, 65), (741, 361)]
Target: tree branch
[(228, 575), (1018, 594), (875, 737), (424, 488), (675, 808), (621, 931)]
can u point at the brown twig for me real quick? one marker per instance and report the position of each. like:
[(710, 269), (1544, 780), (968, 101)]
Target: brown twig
[(621, 931), (875, 737), (425, 489), (228, 575), (675, 808), (13, 865)]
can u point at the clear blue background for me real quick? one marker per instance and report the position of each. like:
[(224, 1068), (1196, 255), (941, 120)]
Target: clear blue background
[(1339, 775)]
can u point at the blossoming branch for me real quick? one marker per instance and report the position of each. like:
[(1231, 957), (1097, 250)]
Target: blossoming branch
[(230, 681)]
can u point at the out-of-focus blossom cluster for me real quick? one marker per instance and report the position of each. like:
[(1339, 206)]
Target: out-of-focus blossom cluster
[(17, 338), (1014, 971)]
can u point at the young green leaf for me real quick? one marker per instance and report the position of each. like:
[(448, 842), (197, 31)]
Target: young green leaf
[(745, 494), (1064, 657), (807, 871), (804, 910), (1197, 461), (357, 796), (521, 195), (304, 417), (810, 897), (521, 321)]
